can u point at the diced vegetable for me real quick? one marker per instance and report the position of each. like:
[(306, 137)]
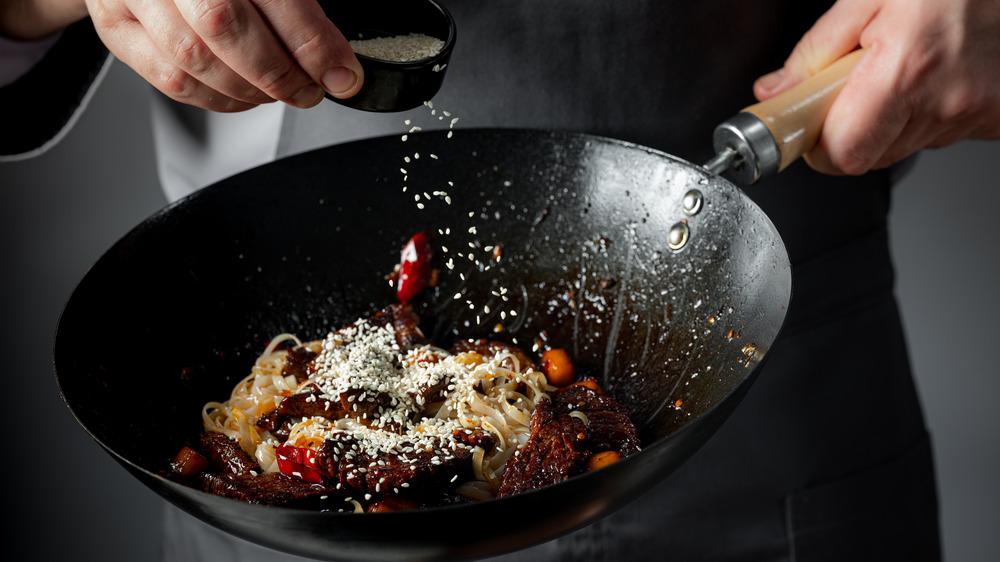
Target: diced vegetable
[(392, 503), (189, 462), (414, 267), (298, 462), (590, 383), (603, 459), (557, 367)]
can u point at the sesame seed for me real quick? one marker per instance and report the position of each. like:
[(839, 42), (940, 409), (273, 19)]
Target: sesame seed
[(400, 48)]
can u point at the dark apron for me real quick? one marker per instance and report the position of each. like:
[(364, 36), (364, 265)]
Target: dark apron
[(827, 458)]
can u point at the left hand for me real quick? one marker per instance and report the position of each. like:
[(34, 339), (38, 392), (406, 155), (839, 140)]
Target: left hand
[(930, 77)]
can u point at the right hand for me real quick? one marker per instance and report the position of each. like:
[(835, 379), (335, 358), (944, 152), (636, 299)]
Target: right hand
[(230, 55)]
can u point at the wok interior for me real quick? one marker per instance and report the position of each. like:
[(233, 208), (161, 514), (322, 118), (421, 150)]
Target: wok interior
[(175, 313)]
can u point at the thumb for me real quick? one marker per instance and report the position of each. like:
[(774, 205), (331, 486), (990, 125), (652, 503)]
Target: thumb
[(835, 33)]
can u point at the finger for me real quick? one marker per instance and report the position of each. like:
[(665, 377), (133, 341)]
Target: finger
[(835, 33), (132, 45), (178, 42), (865, 119), (315, 44), (235, 31)]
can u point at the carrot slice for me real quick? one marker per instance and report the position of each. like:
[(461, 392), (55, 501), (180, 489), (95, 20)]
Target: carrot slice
[(589, 383), (603, 459), (557, 367)]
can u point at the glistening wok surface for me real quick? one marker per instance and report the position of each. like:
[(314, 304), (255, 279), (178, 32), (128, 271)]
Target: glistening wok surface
[(174, 314)]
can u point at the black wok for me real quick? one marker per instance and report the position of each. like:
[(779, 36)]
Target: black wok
[(175, 312)]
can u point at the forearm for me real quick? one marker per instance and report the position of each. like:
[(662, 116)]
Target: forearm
[(34, 19)]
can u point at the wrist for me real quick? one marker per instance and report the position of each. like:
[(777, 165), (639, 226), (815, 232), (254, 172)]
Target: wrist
[(29, 20)]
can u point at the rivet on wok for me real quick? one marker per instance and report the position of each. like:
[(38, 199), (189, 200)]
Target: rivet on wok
[(692, 202), (678, 236)]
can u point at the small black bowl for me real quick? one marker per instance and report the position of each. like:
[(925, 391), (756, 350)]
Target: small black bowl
[(394, 86)]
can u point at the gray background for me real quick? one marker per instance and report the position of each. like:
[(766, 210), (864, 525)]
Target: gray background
[(61, 211)]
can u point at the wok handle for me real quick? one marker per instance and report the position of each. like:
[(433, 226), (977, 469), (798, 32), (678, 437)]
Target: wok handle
[(766, 137)]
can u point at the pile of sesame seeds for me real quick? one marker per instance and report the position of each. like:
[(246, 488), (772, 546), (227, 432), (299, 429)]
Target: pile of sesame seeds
[(366, 363), (399, 48)]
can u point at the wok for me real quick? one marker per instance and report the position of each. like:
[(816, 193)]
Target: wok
[(174, 313)]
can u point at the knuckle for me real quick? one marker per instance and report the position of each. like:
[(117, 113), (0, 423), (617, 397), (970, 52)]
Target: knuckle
[(310, 46), (279, 82), (851, 161), (216, 18), (192, 53), (962, 102), (177, 84)]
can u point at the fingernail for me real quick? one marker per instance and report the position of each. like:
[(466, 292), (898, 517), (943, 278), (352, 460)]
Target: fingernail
[(308, 96), (771, 81), (339, 80)]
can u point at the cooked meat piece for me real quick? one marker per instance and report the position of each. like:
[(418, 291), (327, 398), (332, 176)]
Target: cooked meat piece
[(297, 363), (407, 326), (367, 406), (309, 404), (270, 421), (609, 424), (226, 455), (405, 323), (279, 426), (552, 454), (476, 438), (417, 472), (272, 488), (490, 348)]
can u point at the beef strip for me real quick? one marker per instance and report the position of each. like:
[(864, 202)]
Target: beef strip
[(303, 404), (226, 456), (272, 488), (552, 454), (309, 404), (404, 322), (407, 326), (298, 363), (609, 425), (475, 438), (416, 474)]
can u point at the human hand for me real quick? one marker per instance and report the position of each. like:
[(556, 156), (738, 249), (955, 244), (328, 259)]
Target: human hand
[(928, 78), (230, 55)]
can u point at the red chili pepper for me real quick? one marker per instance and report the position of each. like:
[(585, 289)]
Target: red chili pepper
[(299, 462), (414, 267)]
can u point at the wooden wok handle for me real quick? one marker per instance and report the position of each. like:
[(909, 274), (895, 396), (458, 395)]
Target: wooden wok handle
[(772, 134), (795, 117)]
